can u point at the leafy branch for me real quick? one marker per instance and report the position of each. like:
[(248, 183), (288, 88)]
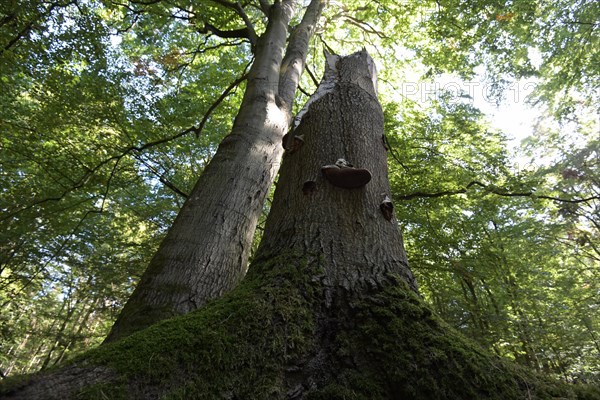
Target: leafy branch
[(162, 178), (131, 149), (44, 267), (247, 32), (31, 24)]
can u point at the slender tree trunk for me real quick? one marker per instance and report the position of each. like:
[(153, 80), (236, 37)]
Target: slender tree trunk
[(205, 253), (16, 352), (60, 334), (81, 323)]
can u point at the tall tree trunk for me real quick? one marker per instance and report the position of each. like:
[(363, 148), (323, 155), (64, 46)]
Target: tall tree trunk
[(359, 246), (205, 253), (328, 309)]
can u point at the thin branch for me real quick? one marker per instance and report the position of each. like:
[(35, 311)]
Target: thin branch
[(225, 3), (8, 18), (110, 178), (498, 192), (242, 33), (145, 3), (237, 7), (31, 24), (418, 195), (78, 184), (325, 45), (393, 152), (60, 249), (304, 92), (225, 93), (249, 24), (265, 6), (195, 53), (365, 26), (312, 75), (162, 178), (440, 6), (581, 23)]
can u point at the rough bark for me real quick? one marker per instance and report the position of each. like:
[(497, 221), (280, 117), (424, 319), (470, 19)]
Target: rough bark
[(205, 253), (355, 243), (312, 216)]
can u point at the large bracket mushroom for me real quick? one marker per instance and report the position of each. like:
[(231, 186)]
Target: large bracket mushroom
[(343, 174)]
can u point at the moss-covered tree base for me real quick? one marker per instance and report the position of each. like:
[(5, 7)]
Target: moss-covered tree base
[(275, 338)]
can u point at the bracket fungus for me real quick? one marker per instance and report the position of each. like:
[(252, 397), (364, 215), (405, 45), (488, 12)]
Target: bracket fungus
[(343, 174), (292, 143), (387, 207)]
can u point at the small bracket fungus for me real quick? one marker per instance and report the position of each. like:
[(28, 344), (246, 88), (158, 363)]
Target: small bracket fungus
[(387, 207), (343, 174), (309, 187), (291, 143)]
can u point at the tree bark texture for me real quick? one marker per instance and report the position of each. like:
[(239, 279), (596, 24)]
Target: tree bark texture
[(310, 215), (344, 227), (205, 253)]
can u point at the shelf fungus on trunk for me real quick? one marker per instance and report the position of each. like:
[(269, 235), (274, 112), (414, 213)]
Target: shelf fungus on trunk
[(343, 174), (387, 207), (291, 143)]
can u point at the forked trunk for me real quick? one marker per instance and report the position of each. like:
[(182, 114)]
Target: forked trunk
[(205, 253)]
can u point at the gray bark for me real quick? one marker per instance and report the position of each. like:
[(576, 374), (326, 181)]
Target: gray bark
[(205, 253), (346, 229)]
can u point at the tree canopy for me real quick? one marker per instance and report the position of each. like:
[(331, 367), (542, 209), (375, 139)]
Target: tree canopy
[(109, 112)]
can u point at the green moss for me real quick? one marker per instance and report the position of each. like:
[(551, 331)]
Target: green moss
[(362, 387), (402, 351), (382, 345), (103, 391), (238, 345), (7, 385)]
